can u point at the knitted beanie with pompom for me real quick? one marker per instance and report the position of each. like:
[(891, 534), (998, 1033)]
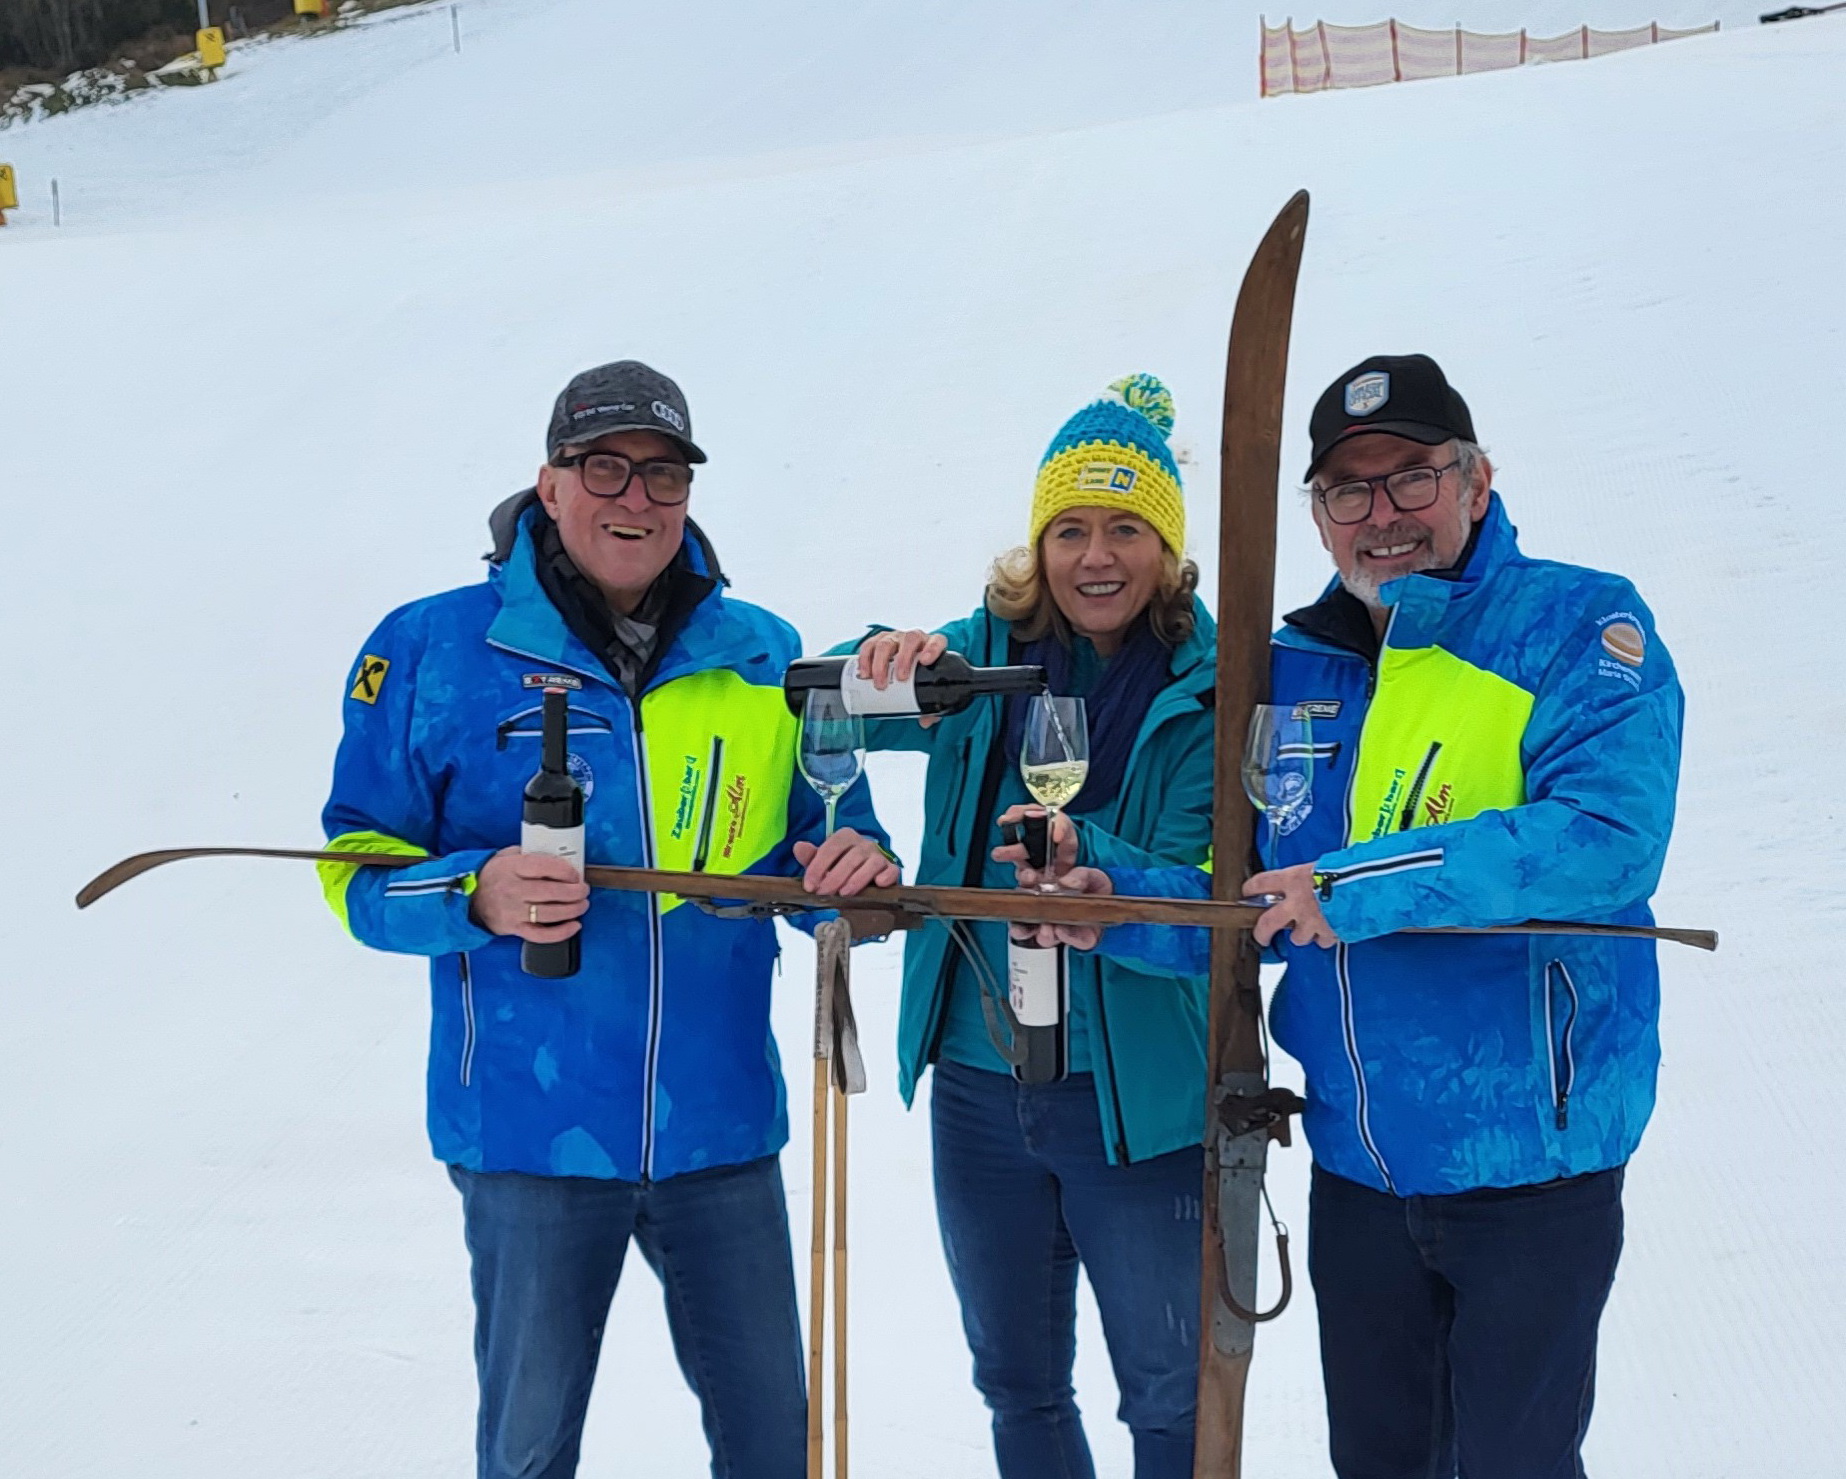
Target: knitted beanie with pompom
[(1114, 454)]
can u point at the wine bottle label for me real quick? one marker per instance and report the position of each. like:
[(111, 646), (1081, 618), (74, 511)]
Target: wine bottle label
[(860, 697), (1033, 985), (554, 842)]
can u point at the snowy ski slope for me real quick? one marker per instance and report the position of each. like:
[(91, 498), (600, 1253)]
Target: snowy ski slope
[(301, 331)]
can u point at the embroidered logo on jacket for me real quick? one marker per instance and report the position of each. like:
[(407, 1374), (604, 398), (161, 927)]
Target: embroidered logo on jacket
[(1624, 647), (552, 680), (737, 805), (369, 681)]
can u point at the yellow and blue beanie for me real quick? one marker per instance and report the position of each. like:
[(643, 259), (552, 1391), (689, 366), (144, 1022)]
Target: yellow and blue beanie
[(1113, 454)]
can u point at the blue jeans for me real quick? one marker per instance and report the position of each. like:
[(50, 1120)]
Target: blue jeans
[(547, 1252), (1024, 1193), (1458, 1333)]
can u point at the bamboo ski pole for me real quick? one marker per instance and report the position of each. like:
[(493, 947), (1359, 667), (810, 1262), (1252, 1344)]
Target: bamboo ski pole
[(840, 1450), (839, 1072), (817, 1267), (817, 1247)]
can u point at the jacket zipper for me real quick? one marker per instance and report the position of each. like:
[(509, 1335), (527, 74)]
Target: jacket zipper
[(1556, 1047), (1405, 862), (1416, 787), (1323, 883), (1362, 1112), (467, 999), (651, 1081), (703, 850), (961, 789)]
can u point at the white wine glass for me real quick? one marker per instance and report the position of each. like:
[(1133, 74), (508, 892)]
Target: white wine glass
[(832, 753), (1278, 765), (1054, 759)]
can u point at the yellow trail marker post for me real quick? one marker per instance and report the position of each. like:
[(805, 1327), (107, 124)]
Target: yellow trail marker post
[(211, 47), (9, 192)]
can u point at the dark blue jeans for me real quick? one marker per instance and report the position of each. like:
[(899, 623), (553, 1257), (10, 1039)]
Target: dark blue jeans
[(547, 1254), (1024, 1193), (1458, 1333)]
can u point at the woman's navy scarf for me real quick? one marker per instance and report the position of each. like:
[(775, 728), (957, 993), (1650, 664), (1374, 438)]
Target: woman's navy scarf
[(1115, 708)]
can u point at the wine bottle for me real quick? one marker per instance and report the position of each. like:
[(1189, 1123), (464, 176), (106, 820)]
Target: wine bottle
[(946, 686), (552, 823), (1038, 985)]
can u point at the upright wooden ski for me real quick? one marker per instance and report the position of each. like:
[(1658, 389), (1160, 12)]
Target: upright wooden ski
[(1242, 1112)]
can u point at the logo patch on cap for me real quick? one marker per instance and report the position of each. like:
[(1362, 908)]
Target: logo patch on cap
[(1106, 477), (667, 414), (614, 410), (1367, 393)]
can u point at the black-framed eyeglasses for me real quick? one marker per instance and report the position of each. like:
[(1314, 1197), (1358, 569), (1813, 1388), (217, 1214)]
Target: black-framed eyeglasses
[(1409, 490), (666, 480)]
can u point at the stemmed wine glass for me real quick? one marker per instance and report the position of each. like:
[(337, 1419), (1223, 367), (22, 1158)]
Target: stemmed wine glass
[(832, 747), (1278, 766), (1054, 759)]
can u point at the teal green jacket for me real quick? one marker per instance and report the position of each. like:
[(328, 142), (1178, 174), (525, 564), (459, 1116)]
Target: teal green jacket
[(1147, 1044)]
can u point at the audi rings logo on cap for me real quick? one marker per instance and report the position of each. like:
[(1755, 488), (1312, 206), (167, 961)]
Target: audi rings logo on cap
[(667, 414), (1367, 393)]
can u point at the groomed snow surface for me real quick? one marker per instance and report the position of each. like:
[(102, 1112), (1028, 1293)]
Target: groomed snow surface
[(301, 331)]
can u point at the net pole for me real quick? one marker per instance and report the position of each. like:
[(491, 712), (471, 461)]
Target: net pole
[(1326, 56), (1397, 70)]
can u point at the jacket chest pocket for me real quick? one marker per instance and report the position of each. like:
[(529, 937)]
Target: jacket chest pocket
[(719, 758), (518, 734)]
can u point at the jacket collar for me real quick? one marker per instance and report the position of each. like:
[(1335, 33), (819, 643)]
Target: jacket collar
[(529, 624), (1420, 603)]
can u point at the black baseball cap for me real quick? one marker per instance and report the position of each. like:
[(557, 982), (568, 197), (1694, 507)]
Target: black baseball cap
[(1403, 395), (624, 396)]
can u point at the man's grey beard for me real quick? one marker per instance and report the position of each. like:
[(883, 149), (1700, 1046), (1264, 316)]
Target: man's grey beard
[(1365, 583)]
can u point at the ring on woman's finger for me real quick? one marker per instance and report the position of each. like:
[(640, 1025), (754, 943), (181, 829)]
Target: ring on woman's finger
[(531, 913)]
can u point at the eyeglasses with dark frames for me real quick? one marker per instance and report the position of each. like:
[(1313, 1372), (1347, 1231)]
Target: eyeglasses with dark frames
[(1408, 490), (666, 480)]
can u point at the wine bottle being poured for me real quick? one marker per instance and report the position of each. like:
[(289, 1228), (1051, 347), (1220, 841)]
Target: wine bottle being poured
[(946, 686), (552, 823)]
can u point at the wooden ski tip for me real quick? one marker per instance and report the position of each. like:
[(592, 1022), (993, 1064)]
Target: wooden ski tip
[(110, 879)]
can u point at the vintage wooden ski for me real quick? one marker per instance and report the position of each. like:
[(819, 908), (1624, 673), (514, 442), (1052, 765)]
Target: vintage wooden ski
[(1242, 1112), (877, 911)]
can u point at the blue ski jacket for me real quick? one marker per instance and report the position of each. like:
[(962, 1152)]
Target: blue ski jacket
[(1147, 1029), (1511, 753), (657, 1057)]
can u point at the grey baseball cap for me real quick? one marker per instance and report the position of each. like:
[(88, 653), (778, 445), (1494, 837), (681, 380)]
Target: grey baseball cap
[(624, 396)]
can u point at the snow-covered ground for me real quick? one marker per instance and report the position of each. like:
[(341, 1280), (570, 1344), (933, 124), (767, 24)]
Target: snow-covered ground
[(301, 331)]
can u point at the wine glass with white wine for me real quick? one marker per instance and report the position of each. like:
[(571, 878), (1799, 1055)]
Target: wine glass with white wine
[(1054, 758), (832, 751)]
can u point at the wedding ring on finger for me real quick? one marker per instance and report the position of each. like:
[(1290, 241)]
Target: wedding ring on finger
[(531, 913)]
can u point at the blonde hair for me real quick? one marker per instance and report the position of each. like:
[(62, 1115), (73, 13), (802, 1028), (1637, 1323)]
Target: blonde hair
[(1017, 593)]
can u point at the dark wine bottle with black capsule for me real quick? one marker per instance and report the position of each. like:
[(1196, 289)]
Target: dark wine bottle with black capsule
[(552, 824), (1038, 985), (946, 686)]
